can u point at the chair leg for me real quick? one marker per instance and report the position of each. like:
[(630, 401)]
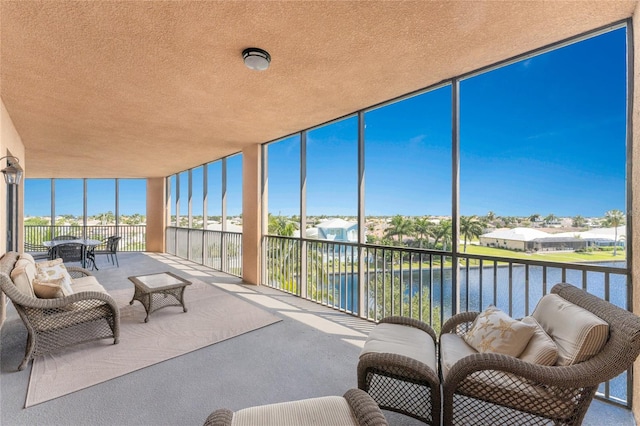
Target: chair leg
[(116, 256), (28, 353)]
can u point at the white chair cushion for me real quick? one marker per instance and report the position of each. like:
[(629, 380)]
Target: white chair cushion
[(88, 283), (329, 410), (578, 333), (27, 256), (22, 276), (495, 331), (402, 340), (452, 349), (541, 349)]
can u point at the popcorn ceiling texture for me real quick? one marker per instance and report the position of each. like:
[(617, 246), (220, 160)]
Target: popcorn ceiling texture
[(146, 89)]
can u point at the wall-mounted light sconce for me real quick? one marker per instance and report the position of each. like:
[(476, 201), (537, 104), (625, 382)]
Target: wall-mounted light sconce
[(12, 174)]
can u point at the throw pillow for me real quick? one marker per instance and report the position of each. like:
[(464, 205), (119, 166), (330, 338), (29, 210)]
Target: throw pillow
[(22, 277), (495, 331), (28, 257), (48, 263), (54, 271), (578, 333), (50, 289), (541, 349)]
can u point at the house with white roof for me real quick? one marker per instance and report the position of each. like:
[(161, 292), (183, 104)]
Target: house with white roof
[(527, 239)]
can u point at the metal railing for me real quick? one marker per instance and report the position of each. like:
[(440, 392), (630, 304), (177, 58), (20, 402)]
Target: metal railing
[(133, 236), (373, 282), (215, 249)]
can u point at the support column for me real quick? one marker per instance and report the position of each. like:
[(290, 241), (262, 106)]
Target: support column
[(251, 214), (634, 209), (156, 215)]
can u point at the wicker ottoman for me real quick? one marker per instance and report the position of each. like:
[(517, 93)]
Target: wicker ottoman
[(398, 368), (355, 408)]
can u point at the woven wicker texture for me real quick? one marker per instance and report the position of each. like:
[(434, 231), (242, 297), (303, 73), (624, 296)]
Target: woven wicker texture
[(399, 383), (55, 323), (487, 389), (364, 411)]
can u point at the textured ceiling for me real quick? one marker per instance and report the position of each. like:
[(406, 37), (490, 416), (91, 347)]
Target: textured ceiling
[(146, 89)]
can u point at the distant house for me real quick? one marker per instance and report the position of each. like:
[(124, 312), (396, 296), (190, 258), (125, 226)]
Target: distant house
[(603, 237), (512, 239), (527, 239), (338, 230)]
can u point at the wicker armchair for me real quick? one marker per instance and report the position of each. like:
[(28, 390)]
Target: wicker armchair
[(56, 323), (489, 388)]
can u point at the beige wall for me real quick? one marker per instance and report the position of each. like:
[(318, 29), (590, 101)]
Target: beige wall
[(10, 143), (156, 214), (251, 213)]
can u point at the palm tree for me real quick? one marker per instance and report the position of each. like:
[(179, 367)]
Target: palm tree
[(490, 217), (399, 227), (550, 218), (443, 231), (470, 227), (423, 229), (578, 221), (534, 218), (279, 225), (614, 218)]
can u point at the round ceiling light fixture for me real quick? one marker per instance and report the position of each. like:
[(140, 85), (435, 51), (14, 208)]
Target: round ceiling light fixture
[(256, 59)]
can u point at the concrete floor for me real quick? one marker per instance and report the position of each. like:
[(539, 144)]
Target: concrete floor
[(312, 352)]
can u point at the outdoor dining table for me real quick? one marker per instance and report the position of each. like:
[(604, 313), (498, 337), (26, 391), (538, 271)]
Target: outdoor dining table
[(86, 242)]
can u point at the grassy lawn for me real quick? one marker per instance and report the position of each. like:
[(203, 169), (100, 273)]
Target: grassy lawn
[(596, 256)]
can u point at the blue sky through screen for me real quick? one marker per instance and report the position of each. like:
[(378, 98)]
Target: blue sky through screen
[(545, 135)]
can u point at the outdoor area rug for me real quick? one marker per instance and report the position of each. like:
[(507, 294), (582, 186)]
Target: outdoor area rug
[(212, 316)]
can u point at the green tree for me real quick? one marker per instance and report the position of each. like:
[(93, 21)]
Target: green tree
[(550, 218), (578, 221), (422, 229), (279, 225), (470, 227), (442, 232), (534, 218), (399, 227), (613, 219)]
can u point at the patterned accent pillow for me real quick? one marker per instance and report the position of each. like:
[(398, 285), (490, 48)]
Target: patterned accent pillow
[(55, 272), (495, 331)]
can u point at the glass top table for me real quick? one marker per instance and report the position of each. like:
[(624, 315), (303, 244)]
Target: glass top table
[(160, 290)]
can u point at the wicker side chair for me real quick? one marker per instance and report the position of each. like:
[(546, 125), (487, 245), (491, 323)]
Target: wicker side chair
[(56, 323), (355, 408), (490, 388)]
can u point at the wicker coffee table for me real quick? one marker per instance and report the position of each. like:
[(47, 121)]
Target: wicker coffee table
[(157, 291)]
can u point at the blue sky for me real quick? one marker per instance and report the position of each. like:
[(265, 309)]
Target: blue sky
[(544, 135)]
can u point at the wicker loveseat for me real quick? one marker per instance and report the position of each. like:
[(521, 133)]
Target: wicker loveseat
[(493, 388), (90, 313)]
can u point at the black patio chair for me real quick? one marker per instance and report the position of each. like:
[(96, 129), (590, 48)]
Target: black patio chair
[(70, 252), (111, 251)]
